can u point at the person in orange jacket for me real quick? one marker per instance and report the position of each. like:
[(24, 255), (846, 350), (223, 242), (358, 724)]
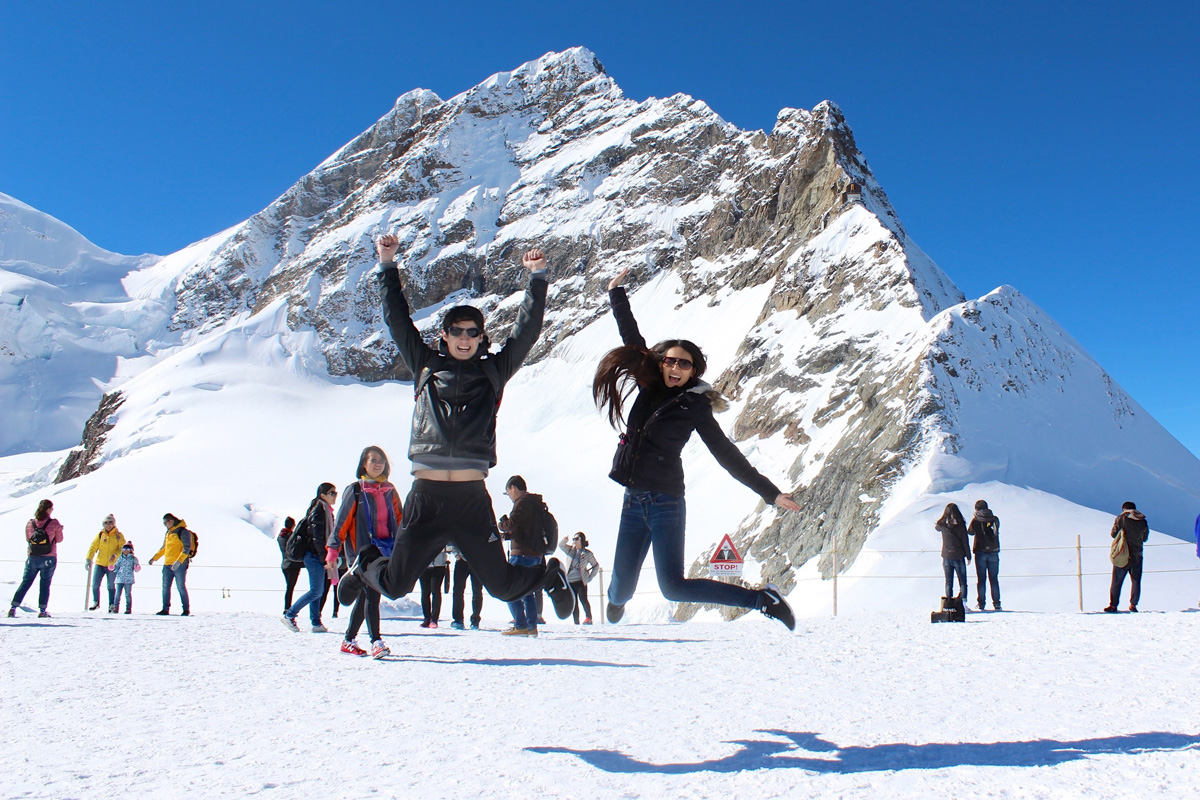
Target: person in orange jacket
[(177, 545), (101, 556)]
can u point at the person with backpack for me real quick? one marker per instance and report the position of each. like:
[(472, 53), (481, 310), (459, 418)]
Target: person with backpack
[(956, 549), (457, 389), (178, 548), (127, 564), (580, 571), (307, 546), (369, 516), (528, 523), (42, 535), (1132, 525), (985, 530), (103, 553), (672, 403), (291, 569)]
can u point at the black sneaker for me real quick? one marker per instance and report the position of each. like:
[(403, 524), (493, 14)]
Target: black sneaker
[(185, 613), (614, 612), (556, 585), (773, 605), (162, 613)]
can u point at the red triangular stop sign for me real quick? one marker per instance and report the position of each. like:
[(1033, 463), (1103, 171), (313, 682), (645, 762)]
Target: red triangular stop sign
[(726, 553)]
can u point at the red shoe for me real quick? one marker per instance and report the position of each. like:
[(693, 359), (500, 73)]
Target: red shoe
[(351, 648)]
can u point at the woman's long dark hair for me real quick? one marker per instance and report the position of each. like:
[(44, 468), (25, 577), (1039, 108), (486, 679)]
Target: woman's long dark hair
[(43, 511), (328, 487), (951, 516), (361, 472), (628, 364)]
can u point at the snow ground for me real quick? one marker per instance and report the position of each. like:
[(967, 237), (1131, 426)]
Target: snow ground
[(1039, 705)]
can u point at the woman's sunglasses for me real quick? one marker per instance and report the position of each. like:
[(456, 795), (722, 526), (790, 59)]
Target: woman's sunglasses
[(682, 363)]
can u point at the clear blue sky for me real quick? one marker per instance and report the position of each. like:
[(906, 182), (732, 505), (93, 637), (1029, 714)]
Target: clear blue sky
[(1050, 146)]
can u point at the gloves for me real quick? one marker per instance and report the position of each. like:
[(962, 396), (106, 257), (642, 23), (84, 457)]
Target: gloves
[(87, 565), (331, 556)]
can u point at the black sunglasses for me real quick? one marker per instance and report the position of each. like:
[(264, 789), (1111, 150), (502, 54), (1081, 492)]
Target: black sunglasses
[(682, 363), (456, 331)]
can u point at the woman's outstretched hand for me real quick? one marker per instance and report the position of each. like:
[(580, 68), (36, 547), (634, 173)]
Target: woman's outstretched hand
[(786, 501), (618, 279)]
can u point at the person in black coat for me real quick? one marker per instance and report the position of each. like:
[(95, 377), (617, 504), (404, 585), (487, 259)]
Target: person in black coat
[(457, 387), (307, 545), (291, 569), (985, 530), (672, 403), (956, 549)]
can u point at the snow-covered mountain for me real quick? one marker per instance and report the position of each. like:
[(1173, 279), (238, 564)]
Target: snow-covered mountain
[(857, 372), (65, 318)]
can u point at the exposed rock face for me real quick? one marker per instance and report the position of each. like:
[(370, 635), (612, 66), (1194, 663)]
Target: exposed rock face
[(86, 457)]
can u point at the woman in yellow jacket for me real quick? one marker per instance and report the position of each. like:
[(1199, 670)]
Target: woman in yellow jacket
[(101, 557), (174, 553)]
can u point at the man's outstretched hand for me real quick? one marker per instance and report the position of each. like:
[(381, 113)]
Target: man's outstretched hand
[(534, 260), (386, 247)]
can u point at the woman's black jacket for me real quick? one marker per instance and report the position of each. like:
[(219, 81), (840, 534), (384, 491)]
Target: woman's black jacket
[(660, 423)]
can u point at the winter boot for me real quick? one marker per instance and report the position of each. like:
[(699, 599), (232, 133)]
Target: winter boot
[(772, 604), (615, 612), (163, 613), (559, 588)]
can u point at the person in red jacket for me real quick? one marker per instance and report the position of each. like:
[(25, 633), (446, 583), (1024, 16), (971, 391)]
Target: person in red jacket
[(43, 533)]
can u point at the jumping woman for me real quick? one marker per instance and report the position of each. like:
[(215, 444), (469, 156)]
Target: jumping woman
[(671, 402)]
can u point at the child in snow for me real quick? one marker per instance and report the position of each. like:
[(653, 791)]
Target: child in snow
[(122, 571)]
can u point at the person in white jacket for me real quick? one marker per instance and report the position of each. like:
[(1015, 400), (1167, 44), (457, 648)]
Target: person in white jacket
[(580, 571)]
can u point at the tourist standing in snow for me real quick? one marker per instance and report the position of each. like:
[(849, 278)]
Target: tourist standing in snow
[(985, 530), (175, 553), (462, 574), (42, 535), (291, 569), (127, 564), (956, 549), (103, 553), (1133, 524), (582, 567), (671, 403), (525, 550), (307, 545), (369, 516), (458, 388), (432, 579)]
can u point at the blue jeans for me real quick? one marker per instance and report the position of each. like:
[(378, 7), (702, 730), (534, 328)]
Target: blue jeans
[(952, 567), (98, 572), (657, 519), (127, 590), (987, 569), (316, 587), (176, 573), (37, 565), (524, 609)]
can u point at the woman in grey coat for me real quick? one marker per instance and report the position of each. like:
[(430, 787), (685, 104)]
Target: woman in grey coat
[(580, 571)]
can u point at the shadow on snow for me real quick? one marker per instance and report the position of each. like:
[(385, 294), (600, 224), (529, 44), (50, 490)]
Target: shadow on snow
[(766, 754)]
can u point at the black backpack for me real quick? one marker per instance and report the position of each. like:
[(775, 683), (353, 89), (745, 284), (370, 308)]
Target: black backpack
[(194, 546), (298, 543), (548, 529), (39, 542)]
